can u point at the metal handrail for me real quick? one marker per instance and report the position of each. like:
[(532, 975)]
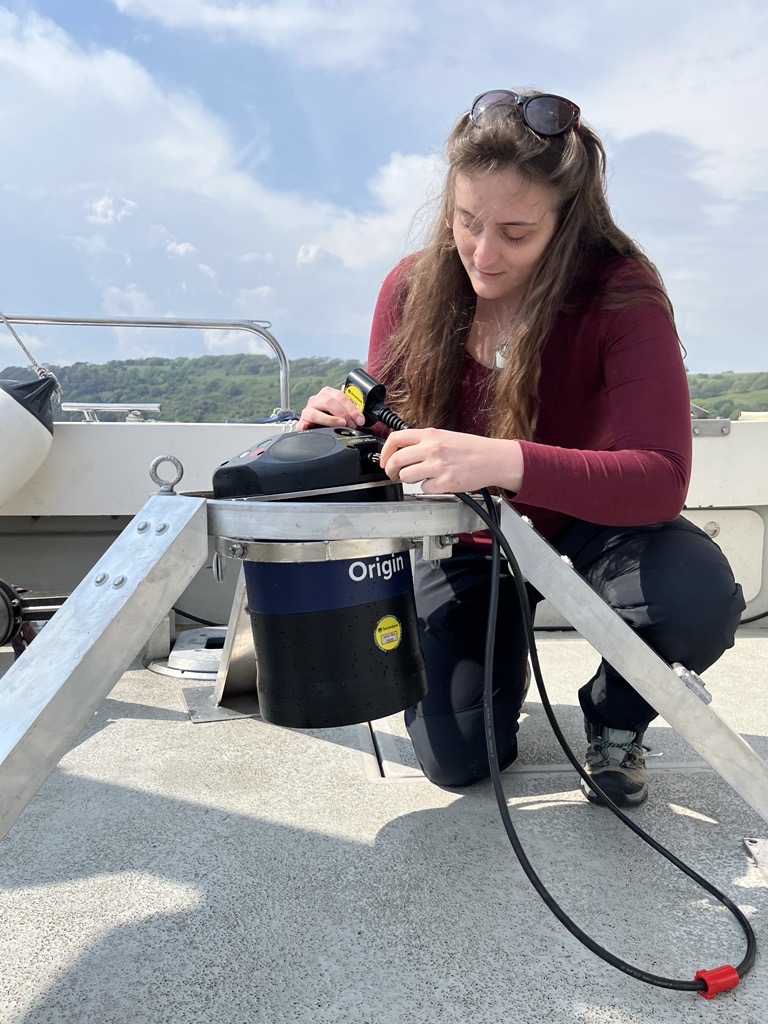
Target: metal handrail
[(251, 326)]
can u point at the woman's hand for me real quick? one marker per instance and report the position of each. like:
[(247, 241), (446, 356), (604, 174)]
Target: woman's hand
[(330, 408), (445, 462)]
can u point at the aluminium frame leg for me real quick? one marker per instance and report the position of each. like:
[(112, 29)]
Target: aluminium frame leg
[(48, 696), (722, 748), (237, 673), (234, 695)]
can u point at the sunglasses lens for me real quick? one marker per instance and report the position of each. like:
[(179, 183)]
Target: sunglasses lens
[(492, 106), (549, 115)]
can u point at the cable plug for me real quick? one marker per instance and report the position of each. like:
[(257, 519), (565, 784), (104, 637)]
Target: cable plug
[(368, 395), (717, 979)]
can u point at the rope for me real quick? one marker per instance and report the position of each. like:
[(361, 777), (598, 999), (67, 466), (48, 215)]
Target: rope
[(41, 371)]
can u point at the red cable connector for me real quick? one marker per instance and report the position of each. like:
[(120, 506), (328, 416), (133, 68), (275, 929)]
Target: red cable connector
[(718, 979)]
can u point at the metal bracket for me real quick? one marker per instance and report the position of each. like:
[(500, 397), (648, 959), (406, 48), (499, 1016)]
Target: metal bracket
[(436, 548), (711, 428), (758, 851), (693, 681)]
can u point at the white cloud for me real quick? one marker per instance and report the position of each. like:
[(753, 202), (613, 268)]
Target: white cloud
[(326, 34), (104, 209), (403, 190), (721, 214), (103, 116), (219, 342), (91, 245), (257, 257), (700, 80), (306, 249), (7, 341), (177, 163), (247, 296), (129, 301), (124, 342), (313, 254), (180, 248), (48, 348)]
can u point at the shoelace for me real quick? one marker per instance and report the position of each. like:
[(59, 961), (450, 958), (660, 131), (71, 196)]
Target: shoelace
[(632, 752)]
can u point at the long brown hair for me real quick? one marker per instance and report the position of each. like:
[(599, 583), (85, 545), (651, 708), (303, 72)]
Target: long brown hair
[(424, 356)]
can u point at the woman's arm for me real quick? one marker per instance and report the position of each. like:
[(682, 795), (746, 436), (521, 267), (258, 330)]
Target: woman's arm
[(639, 473)]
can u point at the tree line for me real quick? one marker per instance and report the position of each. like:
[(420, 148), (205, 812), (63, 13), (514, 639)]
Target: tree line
[(203, 389), (243, 387), (729, 394)]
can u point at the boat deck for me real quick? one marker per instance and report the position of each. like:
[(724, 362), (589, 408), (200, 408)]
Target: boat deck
[(240, 872)]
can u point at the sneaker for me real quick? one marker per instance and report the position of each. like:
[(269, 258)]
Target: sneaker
[(615, 761)]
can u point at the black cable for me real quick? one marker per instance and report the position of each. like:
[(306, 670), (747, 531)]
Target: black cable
[(753, 618), (491, 520), (699, 984), (388, 418), (196, 618)]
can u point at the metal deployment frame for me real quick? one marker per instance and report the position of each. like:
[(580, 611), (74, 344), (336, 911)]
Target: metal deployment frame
[(48, 696)]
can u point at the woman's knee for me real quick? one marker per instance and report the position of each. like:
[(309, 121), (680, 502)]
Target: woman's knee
[(452, 748), (676, 588), (701, 600)]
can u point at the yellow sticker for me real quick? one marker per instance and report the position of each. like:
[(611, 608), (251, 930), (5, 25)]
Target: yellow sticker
[(353, 391), (388, 633)]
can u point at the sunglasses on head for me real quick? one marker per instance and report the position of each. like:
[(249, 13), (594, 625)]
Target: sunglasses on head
[(545, 114)]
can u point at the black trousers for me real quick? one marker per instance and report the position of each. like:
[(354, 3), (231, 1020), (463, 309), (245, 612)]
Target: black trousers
[(669, 581)]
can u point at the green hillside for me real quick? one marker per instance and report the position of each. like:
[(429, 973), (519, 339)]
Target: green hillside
[(205, 389), (210, 389), (729, 394)]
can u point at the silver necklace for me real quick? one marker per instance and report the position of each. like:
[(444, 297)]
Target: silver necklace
[(501, 347)]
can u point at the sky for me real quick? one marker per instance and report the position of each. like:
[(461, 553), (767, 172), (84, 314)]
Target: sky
[(247, 160)]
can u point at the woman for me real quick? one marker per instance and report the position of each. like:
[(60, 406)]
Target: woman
[(534, 344)]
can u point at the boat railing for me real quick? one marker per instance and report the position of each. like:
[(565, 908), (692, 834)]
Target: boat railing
[(256, 327), (90, 410)]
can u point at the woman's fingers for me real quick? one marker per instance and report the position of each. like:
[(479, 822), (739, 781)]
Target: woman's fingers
[(395, 448), (330, 408), (410, 456), (446, 461)]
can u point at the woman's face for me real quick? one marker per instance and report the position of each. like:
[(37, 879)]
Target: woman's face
[(502, 225)]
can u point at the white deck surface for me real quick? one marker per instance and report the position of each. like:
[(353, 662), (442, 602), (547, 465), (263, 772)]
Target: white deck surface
[(239, 872)]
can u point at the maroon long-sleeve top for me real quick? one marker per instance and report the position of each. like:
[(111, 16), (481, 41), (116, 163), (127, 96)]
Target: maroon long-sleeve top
[(613, 437)]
